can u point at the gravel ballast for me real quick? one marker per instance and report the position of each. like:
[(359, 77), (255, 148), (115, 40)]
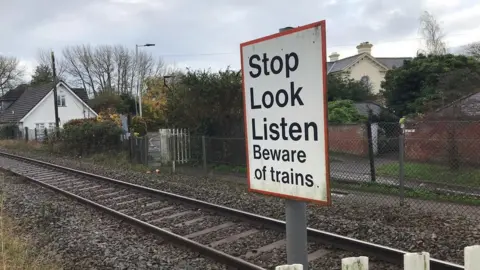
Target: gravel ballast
[(83, 238), (444, 236)]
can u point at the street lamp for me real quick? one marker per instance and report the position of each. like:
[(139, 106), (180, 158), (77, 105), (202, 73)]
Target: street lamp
[(138, 77)]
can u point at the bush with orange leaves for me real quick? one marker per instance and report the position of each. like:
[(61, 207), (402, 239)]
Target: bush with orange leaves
[(109, 115)]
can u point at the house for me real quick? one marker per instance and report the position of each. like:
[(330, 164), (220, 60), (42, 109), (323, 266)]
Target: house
[(33, 107), (364, 66)]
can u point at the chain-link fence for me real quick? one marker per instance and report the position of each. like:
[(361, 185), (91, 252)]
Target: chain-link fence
[(427, 165), (434, 165)]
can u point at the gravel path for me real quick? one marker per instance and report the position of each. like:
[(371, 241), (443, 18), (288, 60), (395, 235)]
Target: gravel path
[(82, 238), (444, 236)]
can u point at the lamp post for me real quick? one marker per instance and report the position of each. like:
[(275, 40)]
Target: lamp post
[(138, 77)]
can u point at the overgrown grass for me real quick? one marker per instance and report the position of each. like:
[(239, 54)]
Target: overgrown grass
[(23, 145), (116, 160), (433, 173), (422, 194), (16, 250), (230, 169)]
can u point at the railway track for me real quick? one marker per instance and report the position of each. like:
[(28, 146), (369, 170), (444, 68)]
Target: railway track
[(236, 238)]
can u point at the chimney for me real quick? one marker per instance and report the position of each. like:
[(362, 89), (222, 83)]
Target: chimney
[(365, 47), (334, 57)]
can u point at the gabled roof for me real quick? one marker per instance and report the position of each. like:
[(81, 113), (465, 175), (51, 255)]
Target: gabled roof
[(30, 97), (14, 94), (81, 93), (392, 62), (341, 64)]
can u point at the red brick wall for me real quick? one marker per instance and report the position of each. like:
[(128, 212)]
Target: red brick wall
[(349, 139), (430, 142)]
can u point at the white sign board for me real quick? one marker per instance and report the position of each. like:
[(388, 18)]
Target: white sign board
[(285, 106)]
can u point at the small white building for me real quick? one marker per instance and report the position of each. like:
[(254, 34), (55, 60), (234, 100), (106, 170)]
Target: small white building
[(33, 107)]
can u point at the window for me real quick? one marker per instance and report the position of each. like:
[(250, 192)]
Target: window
[(51, 125), (61, 101), (365, 79), (40, 126)]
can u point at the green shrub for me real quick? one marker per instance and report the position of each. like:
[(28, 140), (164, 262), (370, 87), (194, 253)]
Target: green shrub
[(9, 131), (139, 125), (344, 112), (89, 136)]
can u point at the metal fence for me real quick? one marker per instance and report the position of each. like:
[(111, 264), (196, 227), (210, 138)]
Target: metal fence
[(425, 164), (433, 165)]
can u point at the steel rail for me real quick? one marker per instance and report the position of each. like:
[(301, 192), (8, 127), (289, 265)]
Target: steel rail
[(217, 255), (385, 253)]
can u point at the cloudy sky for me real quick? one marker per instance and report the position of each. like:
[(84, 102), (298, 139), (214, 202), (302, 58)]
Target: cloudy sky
[(207, 33)]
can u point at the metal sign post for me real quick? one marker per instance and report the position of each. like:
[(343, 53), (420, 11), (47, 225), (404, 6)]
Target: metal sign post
[(296, 225), (286, 127)]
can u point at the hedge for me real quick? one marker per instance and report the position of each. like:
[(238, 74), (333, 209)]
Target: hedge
[(89, 136)]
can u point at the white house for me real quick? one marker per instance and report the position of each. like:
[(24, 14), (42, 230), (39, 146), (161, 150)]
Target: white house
[(33, 107)]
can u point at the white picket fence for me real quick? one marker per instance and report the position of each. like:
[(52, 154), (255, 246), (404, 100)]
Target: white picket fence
[(411, 261)]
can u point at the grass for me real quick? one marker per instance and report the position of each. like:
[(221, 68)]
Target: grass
[(16, 250), (433, 173), (422, 194), (230, 169), (116, 160), (23, 145), (113, 159)]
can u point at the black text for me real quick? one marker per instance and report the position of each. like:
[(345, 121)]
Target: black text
[(278, 64)]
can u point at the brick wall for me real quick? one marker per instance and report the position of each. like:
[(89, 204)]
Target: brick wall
[(349, 139), (431, 141)]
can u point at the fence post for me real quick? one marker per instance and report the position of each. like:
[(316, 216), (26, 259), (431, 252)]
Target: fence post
[(189, 144), (401, 166), (131, 148), (472, 257), (26, 134), (174, 150), (416, 261), (36, 135), (370, 148), (204, 154), (146, 148), (355, 263)]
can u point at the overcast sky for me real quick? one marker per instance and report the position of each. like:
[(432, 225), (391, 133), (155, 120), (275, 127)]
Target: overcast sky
[(207, 33)]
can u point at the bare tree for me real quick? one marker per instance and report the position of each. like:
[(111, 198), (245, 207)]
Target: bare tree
[(123, 62), (473, 49), (44, 58), (432, 33), (103, 62), (108, 67), (10, 73)]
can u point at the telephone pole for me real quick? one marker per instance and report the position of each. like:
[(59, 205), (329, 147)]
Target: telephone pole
[(55, 102)]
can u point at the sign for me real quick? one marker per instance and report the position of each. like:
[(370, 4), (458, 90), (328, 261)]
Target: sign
[(285, 107)]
